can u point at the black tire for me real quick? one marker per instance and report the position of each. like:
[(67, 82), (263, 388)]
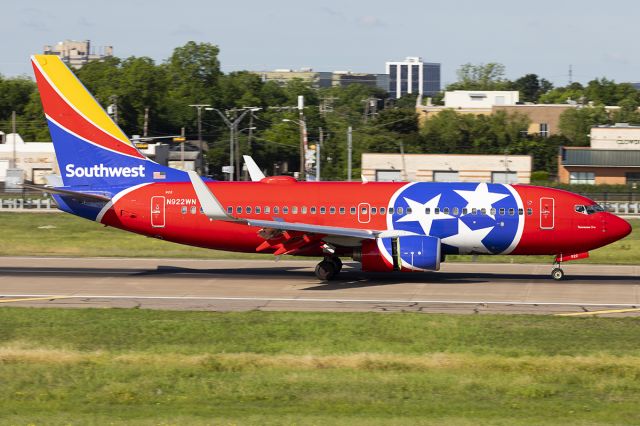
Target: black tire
[(325, 270), (557, 274), (338, 264)]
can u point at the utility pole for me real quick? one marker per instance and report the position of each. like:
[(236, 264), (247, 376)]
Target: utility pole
[(198, 108), (13, 130), (145, 129), (318, 147), (404, 163), (233, 129), (113, 108), (303, 138), (182, 148), (349, 149)]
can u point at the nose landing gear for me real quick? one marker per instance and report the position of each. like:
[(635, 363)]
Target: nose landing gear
[(328, 268)]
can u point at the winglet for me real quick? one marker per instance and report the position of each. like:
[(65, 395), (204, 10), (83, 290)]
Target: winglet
[(254, 171), (211, 207)]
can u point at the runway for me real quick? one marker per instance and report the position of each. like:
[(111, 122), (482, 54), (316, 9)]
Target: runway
[(240, 285)]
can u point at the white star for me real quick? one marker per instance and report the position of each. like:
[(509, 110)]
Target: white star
[(481, 198), (418, 213), (467, 240)]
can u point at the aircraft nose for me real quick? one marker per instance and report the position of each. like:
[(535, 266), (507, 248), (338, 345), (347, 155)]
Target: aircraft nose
[(617, 228)]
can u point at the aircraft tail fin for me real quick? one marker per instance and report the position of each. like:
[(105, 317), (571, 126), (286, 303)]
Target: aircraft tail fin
[(91, 150)]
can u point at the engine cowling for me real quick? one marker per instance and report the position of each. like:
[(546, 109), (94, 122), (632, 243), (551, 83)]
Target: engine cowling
[(411, 253)]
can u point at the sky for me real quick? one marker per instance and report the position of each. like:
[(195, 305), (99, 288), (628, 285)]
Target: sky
[(545, 37)]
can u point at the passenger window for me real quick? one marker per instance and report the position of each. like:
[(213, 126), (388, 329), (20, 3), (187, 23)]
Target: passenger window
[(465, 211), (455, 211), (382, 210), (409, 210), (374, 210), (529, 211), (390, 210), (248, 210), (294, 210), (512, 212), (184, 209), (267, 209), (303, 209), (400, 210), (193, 210), (502, 210), (343, 210), (492, 211), (445, 210), (285, 210), (352, 210), (332, 210), (257, 210), (520, 212), (276, 209), (323, 210), (239, 210), (474, 211), (313, 210), (436, 210), (229, 210), (427, 210), (483, 211)]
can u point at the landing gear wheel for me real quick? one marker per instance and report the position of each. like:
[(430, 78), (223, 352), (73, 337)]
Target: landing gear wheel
[(338, 264), (326, 270), (557, 274)]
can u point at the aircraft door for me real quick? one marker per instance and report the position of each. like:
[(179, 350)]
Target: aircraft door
[(364, 213), (157, 212), (547, 213)]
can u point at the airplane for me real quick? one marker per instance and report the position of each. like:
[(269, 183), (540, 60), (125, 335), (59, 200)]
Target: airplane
[(386, 226)]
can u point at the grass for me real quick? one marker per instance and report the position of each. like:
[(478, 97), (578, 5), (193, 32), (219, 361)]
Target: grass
[(156, 367), (55, 234)]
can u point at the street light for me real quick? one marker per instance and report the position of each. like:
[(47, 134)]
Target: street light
[(233, 128), (303, 143)]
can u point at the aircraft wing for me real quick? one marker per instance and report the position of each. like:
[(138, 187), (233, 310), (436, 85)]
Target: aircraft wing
[(286, 236), (67, 192)]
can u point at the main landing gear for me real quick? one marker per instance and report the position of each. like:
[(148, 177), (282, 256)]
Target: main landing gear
[(557, 273), (328, 268)]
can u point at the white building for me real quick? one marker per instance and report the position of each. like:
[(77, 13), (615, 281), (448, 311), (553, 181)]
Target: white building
[(36, 159), (447, 168), (413, 76), (620, 136), (464, 99), (78, 53)]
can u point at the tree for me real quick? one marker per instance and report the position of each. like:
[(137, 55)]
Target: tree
[(480, 77), (531, 87), (575, 123)]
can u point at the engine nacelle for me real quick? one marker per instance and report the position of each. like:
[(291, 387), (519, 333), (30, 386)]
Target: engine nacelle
[(411, 253)]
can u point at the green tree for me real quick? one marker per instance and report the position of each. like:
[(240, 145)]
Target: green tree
[(575, 123), (488, 76), (531, 87)]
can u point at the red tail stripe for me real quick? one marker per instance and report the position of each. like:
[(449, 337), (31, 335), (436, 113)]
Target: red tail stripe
[(59, 110)]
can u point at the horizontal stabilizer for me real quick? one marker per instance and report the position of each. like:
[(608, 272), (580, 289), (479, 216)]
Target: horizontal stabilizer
[(67, 192)]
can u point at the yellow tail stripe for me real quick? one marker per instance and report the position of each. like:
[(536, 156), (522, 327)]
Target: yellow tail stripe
[(77, 95)]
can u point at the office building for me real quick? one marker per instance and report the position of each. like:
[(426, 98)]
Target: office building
[(78, 53), (413, 76)]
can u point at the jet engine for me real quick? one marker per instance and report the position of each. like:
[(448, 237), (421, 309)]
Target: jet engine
[(406, 253)]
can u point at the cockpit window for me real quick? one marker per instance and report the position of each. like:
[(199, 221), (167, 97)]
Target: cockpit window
[(594, 208)]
